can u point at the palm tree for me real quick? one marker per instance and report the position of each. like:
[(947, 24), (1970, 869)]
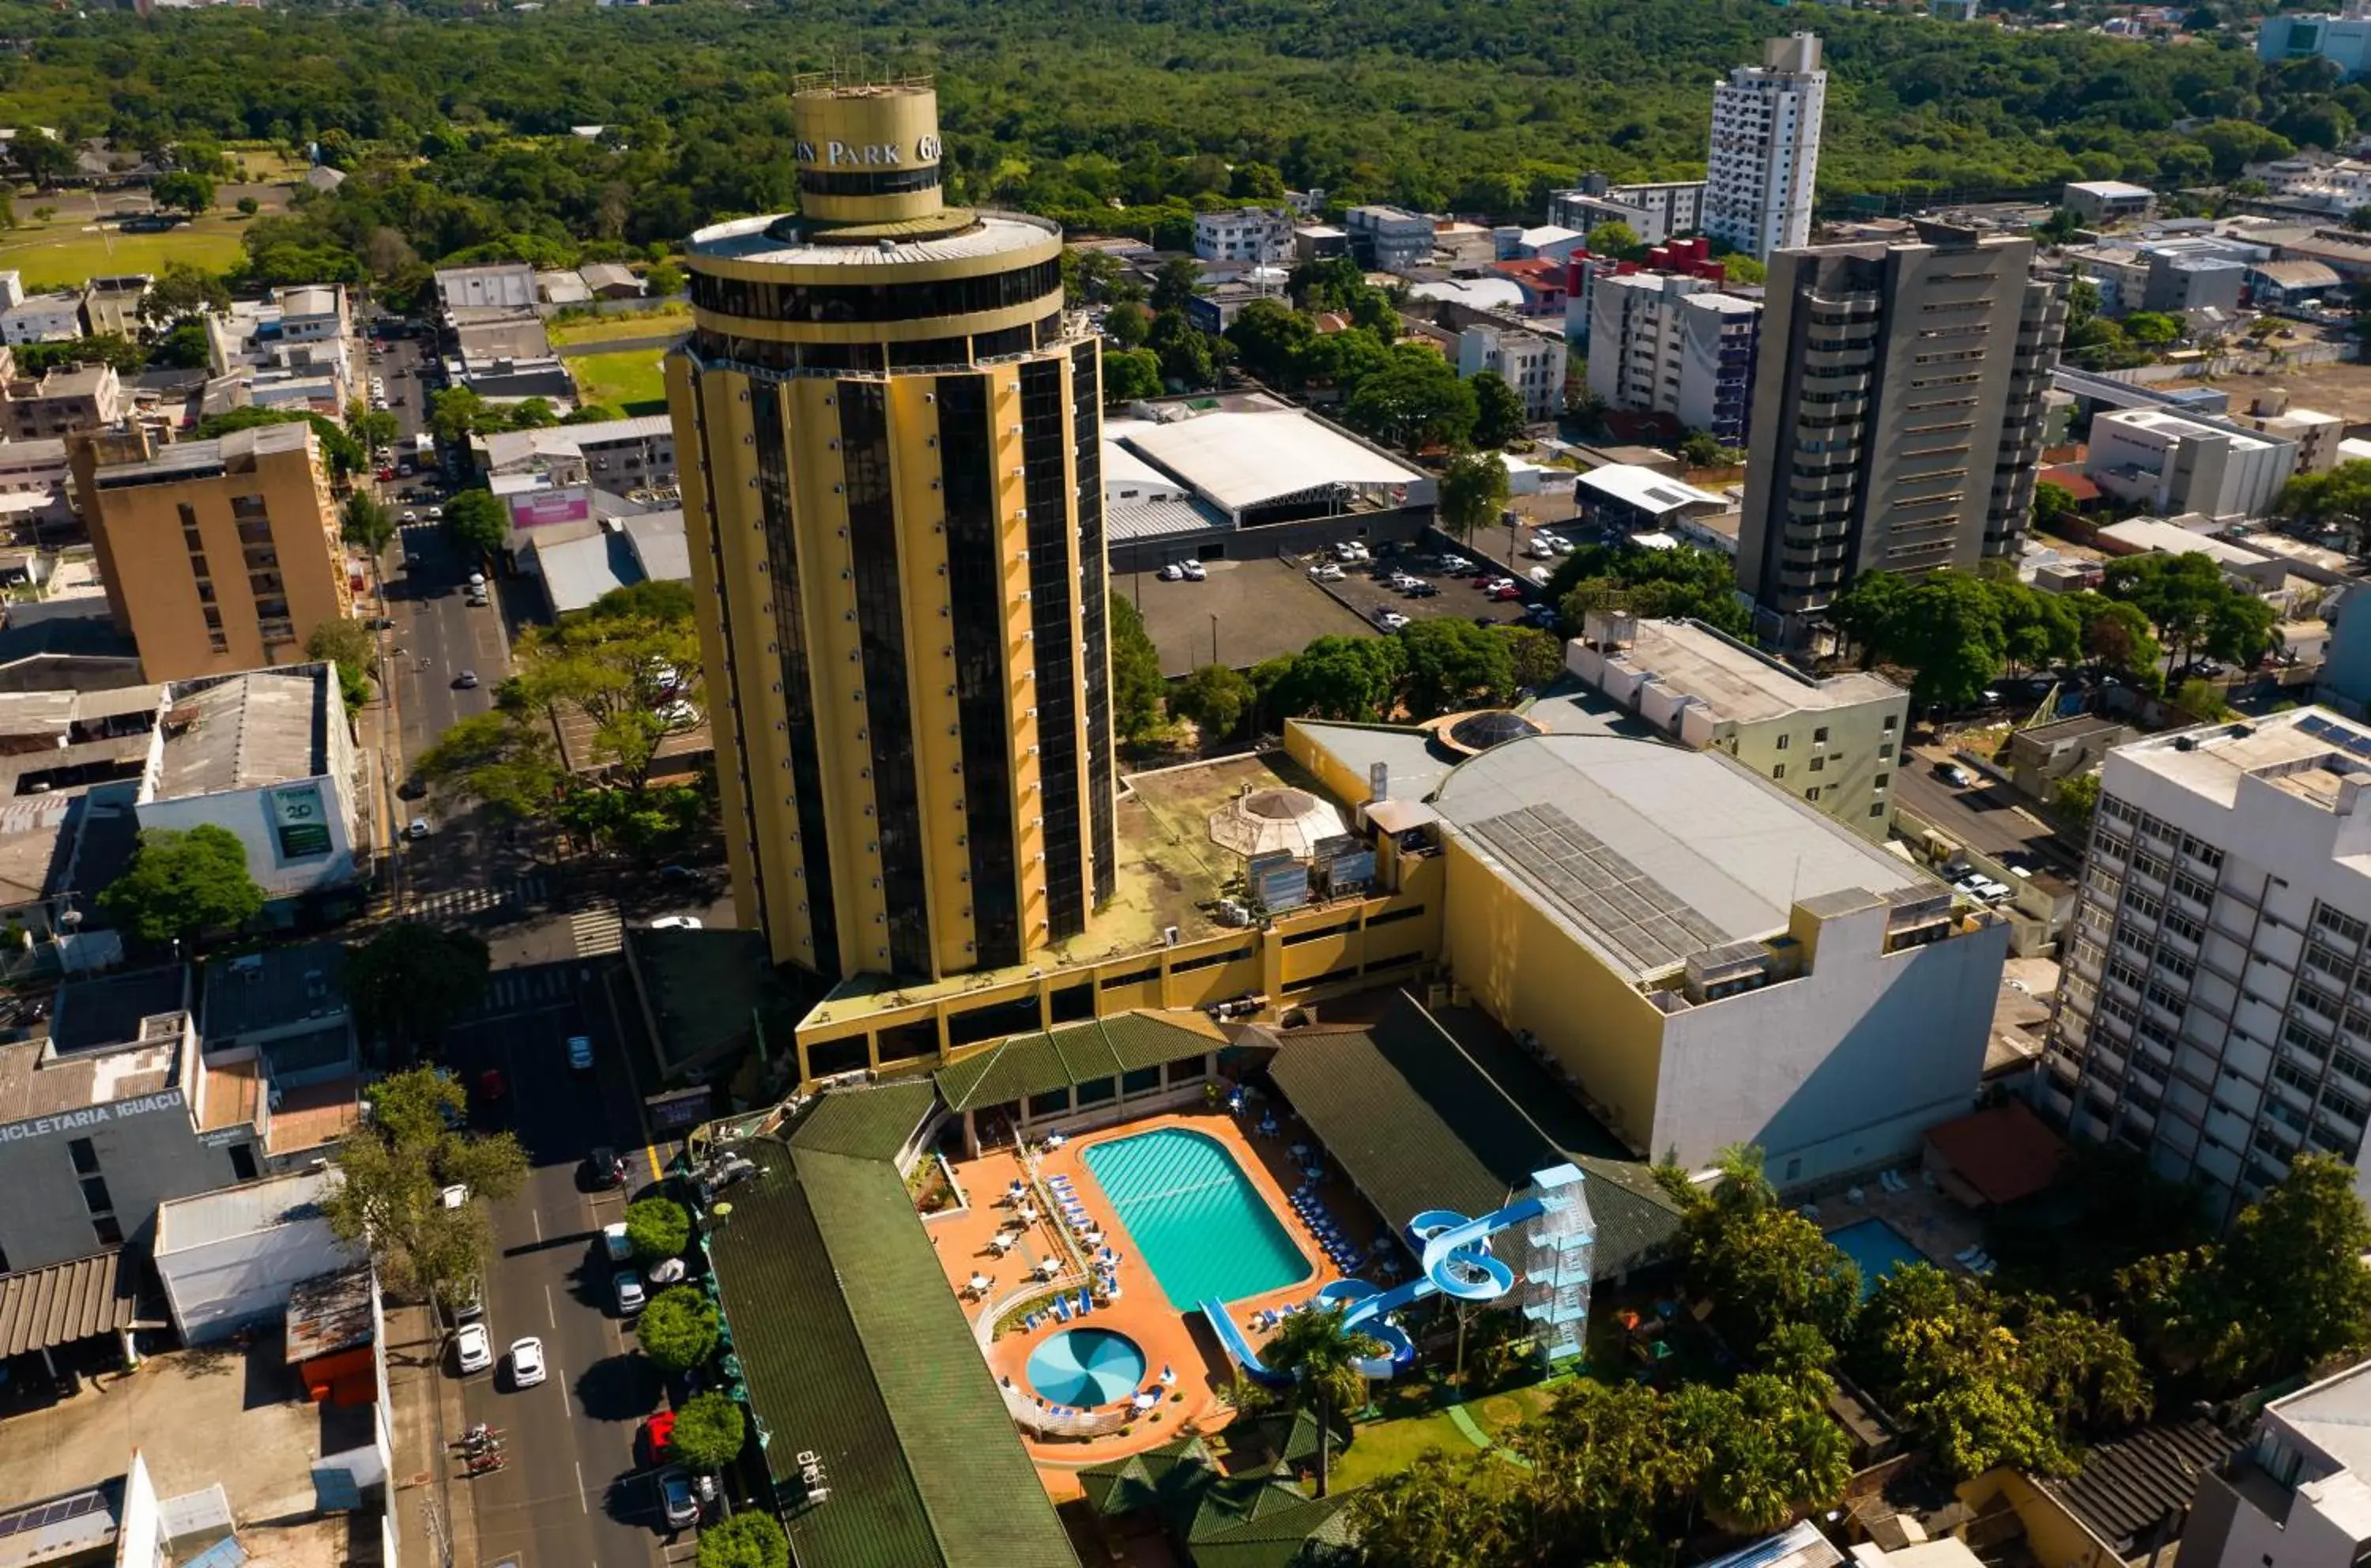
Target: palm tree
[(1322, 1356)]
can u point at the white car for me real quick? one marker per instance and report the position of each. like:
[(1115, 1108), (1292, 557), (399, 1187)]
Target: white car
[(1455, 565), (473, 1348), (409, 516), (675, 923), (1401, 581), (1538, 548), (1390, 620), (1350, 549), (526, 1362), (628, 1287), (454, 1196), (1193, 569), (1327, 572), (418, 828), (1172, 572), (613, 1240)]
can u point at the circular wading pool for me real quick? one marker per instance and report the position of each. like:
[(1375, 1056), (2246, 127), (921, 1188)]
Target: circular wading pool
[(1086, 1367)]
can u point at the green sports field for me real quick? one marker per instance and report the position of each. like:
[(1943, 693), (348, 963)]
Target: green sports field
[(631, 383)]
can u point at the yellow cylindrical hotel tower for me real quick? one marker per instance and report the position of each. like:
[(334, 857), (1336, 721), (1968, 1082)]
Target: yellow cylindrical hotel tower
[(890, 464)]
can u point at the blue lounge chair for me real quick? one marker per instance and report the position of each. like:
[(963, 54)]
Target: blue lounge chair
[(1085, 1306), (1061, 1310)]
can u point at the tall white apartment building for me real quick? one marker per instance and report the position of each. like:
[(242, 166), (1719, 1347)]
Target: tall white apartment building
[(2214, 1010), (1531, 363), (1663, 343), (1243, 234), (1765, 148)]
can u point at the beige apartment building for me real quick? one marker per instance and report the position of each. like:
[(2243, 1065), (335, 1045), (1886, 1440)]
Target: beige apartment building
[(218, 555), (1833, 742)]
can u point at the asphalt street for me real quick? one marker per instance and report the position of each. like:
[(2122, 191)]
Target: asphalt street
[(571, 1492)]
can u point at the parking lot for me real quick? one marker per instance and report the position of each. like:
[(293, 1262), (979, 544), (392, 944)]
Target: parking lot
[(1366, 588), (1246, 611)]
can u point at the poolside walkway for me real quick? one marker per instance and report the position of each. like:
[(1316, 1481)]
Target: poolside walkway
[(1167, 1336), (1924, 1217)]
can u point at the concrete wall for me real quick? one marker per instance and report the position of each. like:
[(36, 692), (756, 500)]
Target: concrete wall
[(1842, 1068), (253, 815), (2055, 1537)]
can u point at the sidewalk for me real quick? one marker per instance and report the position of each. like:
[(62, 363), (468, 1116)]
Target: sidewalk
[(426, 1411)]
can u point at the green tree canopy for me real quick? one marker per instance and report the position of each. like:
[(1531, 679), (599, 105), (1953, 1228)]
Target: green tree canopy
[(475, 522), (398, 1165), (1415, 399), (1498, 413), (677, 1329), (1321, 1357), (1215, 697), (1137, 687), (657, 1228), (747, 1539), (182, 191), (182, 883), (1472, 492), (2194, 608), (708, 1431), (364, 524), (1453, 664), (410, 981), (1534, 657), (1680, 582), (1342, 677), (2338, 499)]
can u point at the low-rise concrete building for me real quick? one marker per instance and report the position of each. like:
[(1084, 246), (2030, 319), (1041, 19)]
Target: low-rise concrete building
[(230, 1259), (1833, 742), (2253, 570), (2299, 1496), (112, 304), (286, 1003), (64, 402), (2171, 464), (1655, 209), (1531, 363), (2041, 755), (2109, 201), (1243, 234), (268, 754), (1389, 239)]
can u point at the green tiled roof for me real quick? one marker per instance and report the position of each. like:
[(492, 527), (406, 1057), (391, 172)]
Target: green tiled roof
[(854, 1347), (1168, 1479), (1261, 1521), (1063, 1058), (869, 1124), (1417, 1124), (1297, 1532)]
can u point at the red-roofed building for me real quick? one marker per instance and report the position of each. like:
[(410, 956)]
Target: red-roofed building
[(1686, 257), (1996, 1155), (1543, 282)]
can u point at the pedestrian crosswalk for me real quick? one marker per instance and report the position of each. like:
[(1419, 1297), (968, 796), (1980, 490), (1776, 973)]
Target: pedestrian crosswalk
[(598, 930), (460, 903), (512, 990)]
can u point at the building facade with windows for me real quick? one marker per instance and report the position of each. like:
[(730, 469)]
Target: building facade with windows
[(2214, 1010), (1764, 158), (1899, 415), (890, 439), (1654, 211), (1531, 363), (1243, 234), (1662, 343), (218, 556), (1833, 742)]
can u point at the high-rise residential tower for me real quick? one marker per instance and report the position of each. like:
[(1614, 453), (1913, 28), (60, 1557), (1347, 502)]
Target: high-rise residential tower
[(2214, 1010), (1765, 148), (1897, 411), (889, 441)]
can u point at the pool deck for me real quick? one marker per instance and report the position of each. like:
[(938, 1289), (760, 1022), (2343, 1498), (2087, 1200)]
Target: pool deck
[(1931, 1223), (1168, 1337)]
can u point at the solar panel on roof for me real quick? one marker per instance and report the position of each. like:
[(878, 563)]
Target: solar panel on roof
[(40, 1516), (1597, 886)]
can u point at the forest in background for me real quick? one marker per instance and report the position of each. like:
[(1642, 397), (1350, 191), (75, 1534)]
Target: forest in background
[(1117, 118)]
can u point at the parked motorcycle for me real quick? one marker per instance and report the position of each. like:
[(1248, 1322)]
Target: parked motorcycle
[(485, 1464)]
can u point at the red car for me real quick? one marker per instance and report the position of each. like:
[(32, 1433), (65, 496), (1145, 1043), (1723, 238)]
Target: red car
[(656, 1438), (1507, 595), (387, 473)]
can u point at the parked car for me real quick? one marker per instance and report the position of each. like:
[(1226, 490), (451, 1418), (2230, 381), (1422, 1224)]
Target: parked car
[(580, 1053), (1492, 584), (418, 828), (676, 1503), (1390, 620), (1505, 594), (1456, 565), (604, 1169), (526, 1362), (1951, 773), (1351, 549), (1538, 548), (473, 1349), (1172, 572), (614, 1243), (466, 681), (1194, 570), (675, 923), (1421, 590), (1327, 572), (627, 1286)]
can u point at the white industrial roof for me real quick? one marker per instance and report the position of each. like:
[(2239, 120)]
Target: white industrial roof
[(2175, 425), (2112, 189), (1547, 233), (207, 1217), (1701, 851), (1742, 683), (1646, 488), (2172, 538), (1482, 293), (1124, 467), (1242, 459)]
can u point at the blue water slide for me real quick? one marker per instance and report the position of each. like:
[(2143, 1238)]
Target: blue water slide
[(1456, 1261)]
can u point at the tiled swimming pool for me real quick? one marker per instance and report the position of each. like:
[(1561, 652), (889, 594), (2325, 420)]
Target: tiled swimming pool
[(1878, 1249), (1201, 1224)]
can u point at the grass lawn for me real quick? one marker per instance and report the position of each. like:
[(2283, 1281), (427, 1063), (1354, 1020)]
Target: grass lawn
[(1384, 1447), (631, 383), (67, 251), (627, 324)]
